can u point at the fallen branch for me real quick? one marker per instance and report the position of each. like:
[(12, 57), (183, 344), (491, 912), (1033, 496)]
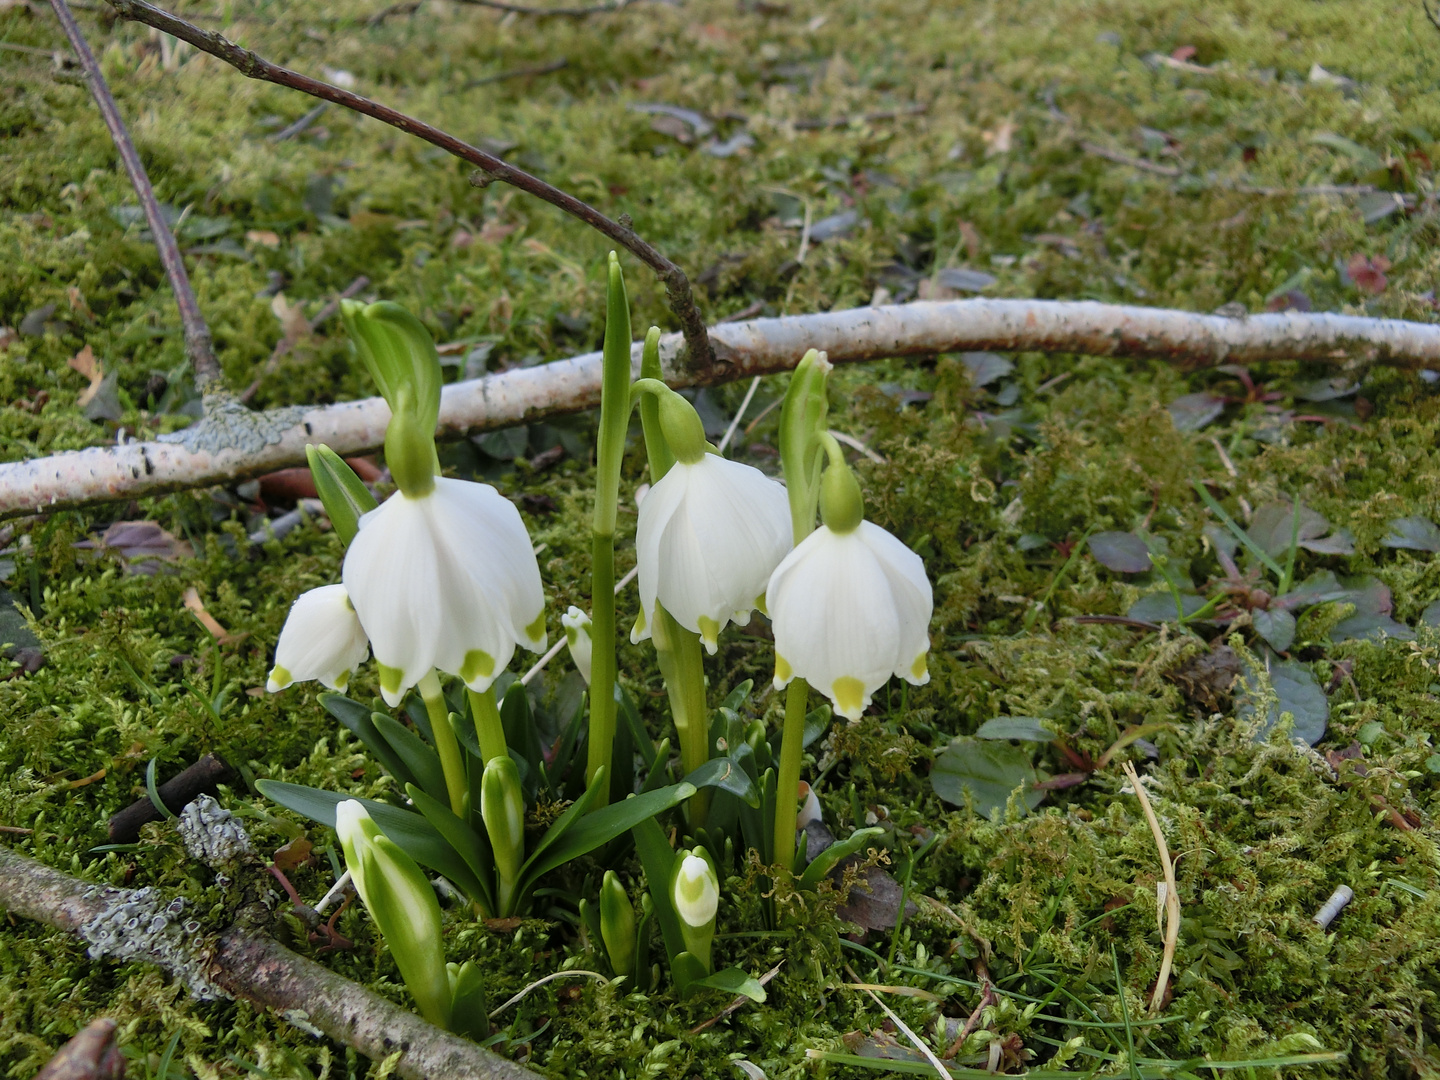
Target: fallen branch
[(197, 333), (544, 12), (744, 350), (202, 778), (256, 968), (492, 169)]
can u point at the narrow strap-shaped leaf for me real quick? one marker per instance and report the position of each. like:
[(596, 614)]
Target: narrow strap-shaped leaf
[(423, 762), (730, 981), (416, 836), (571, 815), (468, 844), (659, 774), (356, 717), (519, 725), (658, 859), (727, 775), (596, 828), (736, 697), (644, 744)]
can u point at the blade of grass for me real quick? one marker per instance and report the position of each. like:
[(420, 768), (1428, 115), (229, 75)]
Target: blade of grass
[(1125, 1015), (154, 793), (1239, 533)]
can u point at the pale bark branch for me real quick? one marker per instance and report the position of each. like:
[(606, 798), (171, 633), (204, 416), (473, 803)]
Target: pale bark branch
[(743, 350), (197, 333), (492, 169), (256, 968)]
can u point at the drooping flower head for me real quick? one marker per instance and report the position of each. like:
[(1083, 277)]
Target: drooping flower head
[(709, 534), (441, 575), (851, 604), (577, 637), (322, 639)]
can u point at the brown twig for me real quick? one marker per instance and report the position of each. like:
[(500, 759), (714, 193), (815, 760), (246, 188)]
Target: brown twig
[(518, 73), (286, 343), (201, 778), (1172, 893), (492, 169), (197, 333), (543, 12), (916, 109), (256, 968), (987, 997), (299, 126)]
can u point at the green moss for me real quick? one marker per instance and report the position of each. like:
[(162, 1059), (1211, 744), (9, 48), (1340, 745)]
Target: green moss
[(992, 485)]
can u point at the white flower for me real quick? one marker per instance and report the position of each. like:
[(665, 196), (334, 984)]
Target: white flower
[(322, 639), (849, 609), (708, 537), (577, 637), (696, 894), (445, 580)]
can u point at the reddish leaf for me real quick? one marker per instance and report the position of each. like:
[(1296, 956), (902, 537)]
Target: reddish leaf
[(1368, 273)]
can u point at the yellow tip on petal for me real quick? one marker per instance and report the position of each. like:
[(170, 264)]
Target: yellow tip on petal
[(760, 605), (279, 679), (478, 665), (709, 633), (536, 630), (783, 672), (342, 680), (641, 630), (919, 673), (849, 695), (391, 680)]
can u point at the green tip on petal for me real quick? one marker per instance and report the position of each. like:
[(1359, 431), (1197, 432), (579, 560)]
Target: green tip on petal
[(709, 633), (536, 630), (783, 671), (849, 695), (390, 679), (478, 665), (760, 605), (279, 679), (918, 670)]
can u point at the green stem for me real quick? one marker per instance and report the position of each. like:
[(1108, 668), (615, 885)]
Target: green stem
[(787, 784), (609, 452), (489, 729), (446, 745), (682, 666)]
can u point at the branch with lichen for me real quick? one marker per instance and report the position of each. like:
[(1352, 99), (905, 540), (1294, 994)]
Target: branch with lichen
[(491, 169), (243, 963), (743, 350)]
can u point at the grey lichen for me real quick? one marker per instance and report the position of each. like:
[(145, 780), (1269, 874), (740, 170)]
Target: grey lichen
[(229, 425), (213, 835), (139, 925)]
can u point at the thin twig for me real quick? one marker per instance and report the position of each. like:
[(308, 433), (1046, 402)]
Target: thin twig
[(197, 333), (300, 125), (406, 7), (987, 997), (868, 118), (518, 73), (541, 982), (739, 413), (1172, 894), (1125, 159), (544, 12), (30, 50), (739, 1003), (492, 169), (525, 395), (856, 444), (286, 343)]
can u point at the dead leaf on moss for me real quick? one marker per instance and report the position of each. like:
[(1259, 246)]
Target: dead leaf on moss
[(219, 633), (294, 326), (293, 854), (87, 364)]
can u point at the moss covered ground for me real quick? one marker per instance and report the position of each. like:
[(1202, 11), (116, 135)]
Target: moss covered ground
[(957, 134)]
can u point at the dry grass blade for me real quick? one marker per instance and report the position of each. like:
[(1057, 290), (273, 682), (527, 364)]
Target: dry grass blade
[(904, 1028), (541, 982), (1172, 894)]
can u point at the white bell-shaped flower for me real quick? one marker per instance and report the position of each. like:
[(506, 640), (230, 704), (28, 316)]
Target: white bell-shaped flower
[(709, 535), (445, 580), (322, 639), (850, 608)]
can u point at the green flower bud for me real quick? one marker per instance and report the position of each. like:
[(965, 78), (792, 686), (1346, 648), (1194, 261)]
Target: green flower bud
[(617, 924), (803, 416), (695, 892), (502, 808), (345, 496), (403, 905), (842, 506)]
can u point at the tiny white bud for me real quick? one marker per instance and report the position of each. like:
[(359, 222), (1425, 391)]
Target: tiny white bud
[(577, 637)]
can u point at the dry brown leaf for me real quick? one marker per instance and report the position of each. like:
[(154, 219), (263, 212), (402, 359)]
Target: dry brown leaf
[(492, 232), (87, 364), (999, 140), (218, 632), (294, 326), (263, 237), (293, 854)]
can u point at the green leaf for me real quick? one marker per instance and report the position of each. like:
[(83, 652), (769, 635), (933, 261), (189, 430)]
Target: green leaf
[(737, 696), (731, 981), (660, 772), (411, 832), (686, 969), (356, 717), (987, 771), (1298, 693), (1276, 626), (468, 843), (519, 725), (1026, 728), (344, 494), (727, 775), (400, 355), (828, 859), (1365, 158), (598, 828), (423, 762), (641, 739), (658, 859), (562, 824)]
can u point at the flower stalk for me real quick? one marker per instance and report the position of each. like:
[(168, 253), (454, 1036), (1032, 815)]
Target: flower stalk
[(609, 451), (452, 761)]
